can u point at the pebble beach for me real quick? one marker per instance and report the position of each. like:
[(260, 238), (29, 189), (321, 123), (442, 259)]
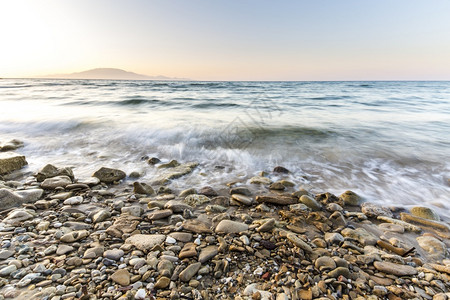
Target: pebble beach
[(114, 235)]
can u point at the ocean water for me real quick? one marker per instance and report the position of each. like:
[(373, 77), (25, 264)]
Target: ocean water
[(388, 141)]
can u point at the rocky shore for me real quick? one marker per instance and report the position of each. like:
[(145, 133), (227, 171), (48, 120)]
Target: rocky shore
[(112, 236)]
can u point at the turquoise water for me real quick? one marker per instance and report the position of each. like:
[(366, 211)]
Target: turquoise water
[(389, 141)]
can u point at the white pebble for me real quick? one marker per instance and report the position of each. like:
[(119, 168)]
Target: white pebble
[(197, 241), (170, 240), (140, 294)]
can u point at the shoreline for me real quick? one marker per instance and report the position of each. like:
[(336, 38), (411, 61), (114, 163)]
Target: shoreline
[(104, 237)]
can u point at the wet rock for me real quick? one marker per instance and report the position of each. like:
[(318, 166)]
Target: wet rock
[(310, 202), (153, 161), (108, 175), (242, 190), (175, 172), (391, 227), (405, 225), (351, 198), (360, 235), (435, 248), (10, 198), (373, 210), (159, 214), (425, 212), (280, 169), (196, 200), (177, 206), (50, 171), (207, 191), (260, 180), (142, 188), (56, 182), (278, 200), (121, 277), (208, 253), (277, 186), (190, 271), (228, 226), (395, 269), (10, 161), (145, 242), (242, 199), (10, 145)]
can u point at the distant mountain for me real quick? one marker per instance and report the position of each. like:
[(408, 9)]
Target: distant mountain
[(109, 73)]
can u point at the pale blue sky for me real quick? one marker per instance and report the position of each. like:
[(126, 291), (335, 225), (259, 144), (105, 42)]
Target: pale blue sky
[(229, 40)]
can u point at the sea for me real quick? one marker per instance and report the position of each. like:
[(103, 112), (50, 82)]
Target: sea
[(387, 141)]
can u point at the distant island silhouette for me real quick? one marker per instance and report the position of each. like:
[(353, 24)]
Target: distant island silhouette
[(109, 73)]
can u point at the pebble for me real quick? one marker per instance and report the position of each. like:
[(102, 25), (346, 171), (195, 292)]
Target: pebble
[(121, 277), (395, 269), (228, 226), (190, 271)]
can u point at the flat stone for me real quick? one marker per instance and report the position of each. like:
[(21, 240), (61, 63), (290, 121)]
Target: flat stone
[(196, 226), (228, 226), (50, 171), (121, 277), (207, 191), (159, 214), (425, 212), (76, 225), (189, 250), (278, 200), (162, 282), (5, 271), (181, 236), (101, 216), (145, 242), (395, 269), (242, 199), (435, 248), (4, 254), (372, 210), (56, 182), (299, 242), (114, 254), (351, 198), (74, 236), (94, 252), (310, 202), (109, 175), (391, 227), (190, 271), (196, 200), (325, 263), (241, 190), (123, 225), (73, 200), (142, 188), (63, 249), (177, 206), (132, 210), (268, 225), (333, 238), (174, 172), (360, 235), (340, 271), (260, 180), (10, 161), (207, 253), (10, 198), (17, 216)]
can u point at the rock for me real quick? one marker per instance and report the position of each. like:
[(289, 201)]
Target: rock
[(17, 216), (114, 254), (56, 182), (196, 226), (4, 254), (50, 171), (108, 175), (425, 212), (268, 225), (260, 180), (439, 227), (123, 225), (162, 282), (175, 172), (94, 253), (207, 253), (279, 200), (172, 164), (242, 190), (10, 198), (228, 226), (5, 271), (121, 277), (280, 169), (435, 248), (339, 271), (395, 269), (189, 250), (73, 200), (101, 216), (190, 271), (135, 211), (351, 198), (325, 263), (391, 227), (405, 225), (299, 242), (145, 242), (196, 200), (310, 202), (277, 186), (141, 294), (177, 206), (74, 236), (299, 208), (183, 237), (142, 188), (153, 161), (10, 161), (159, 214), (242, 199), (360, 235), (10, 145), (90, 181), (333, 238), (63, 249), (373, 210), (207, 191)]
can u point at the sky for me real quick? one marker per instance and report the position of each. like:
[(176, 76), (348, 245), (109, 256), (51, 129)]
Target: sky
[(229, 40)]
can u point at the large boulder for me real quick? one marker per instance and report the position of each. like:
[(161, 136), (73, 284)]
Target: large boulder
[(9, 198), (108, 175), (10, 161)]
